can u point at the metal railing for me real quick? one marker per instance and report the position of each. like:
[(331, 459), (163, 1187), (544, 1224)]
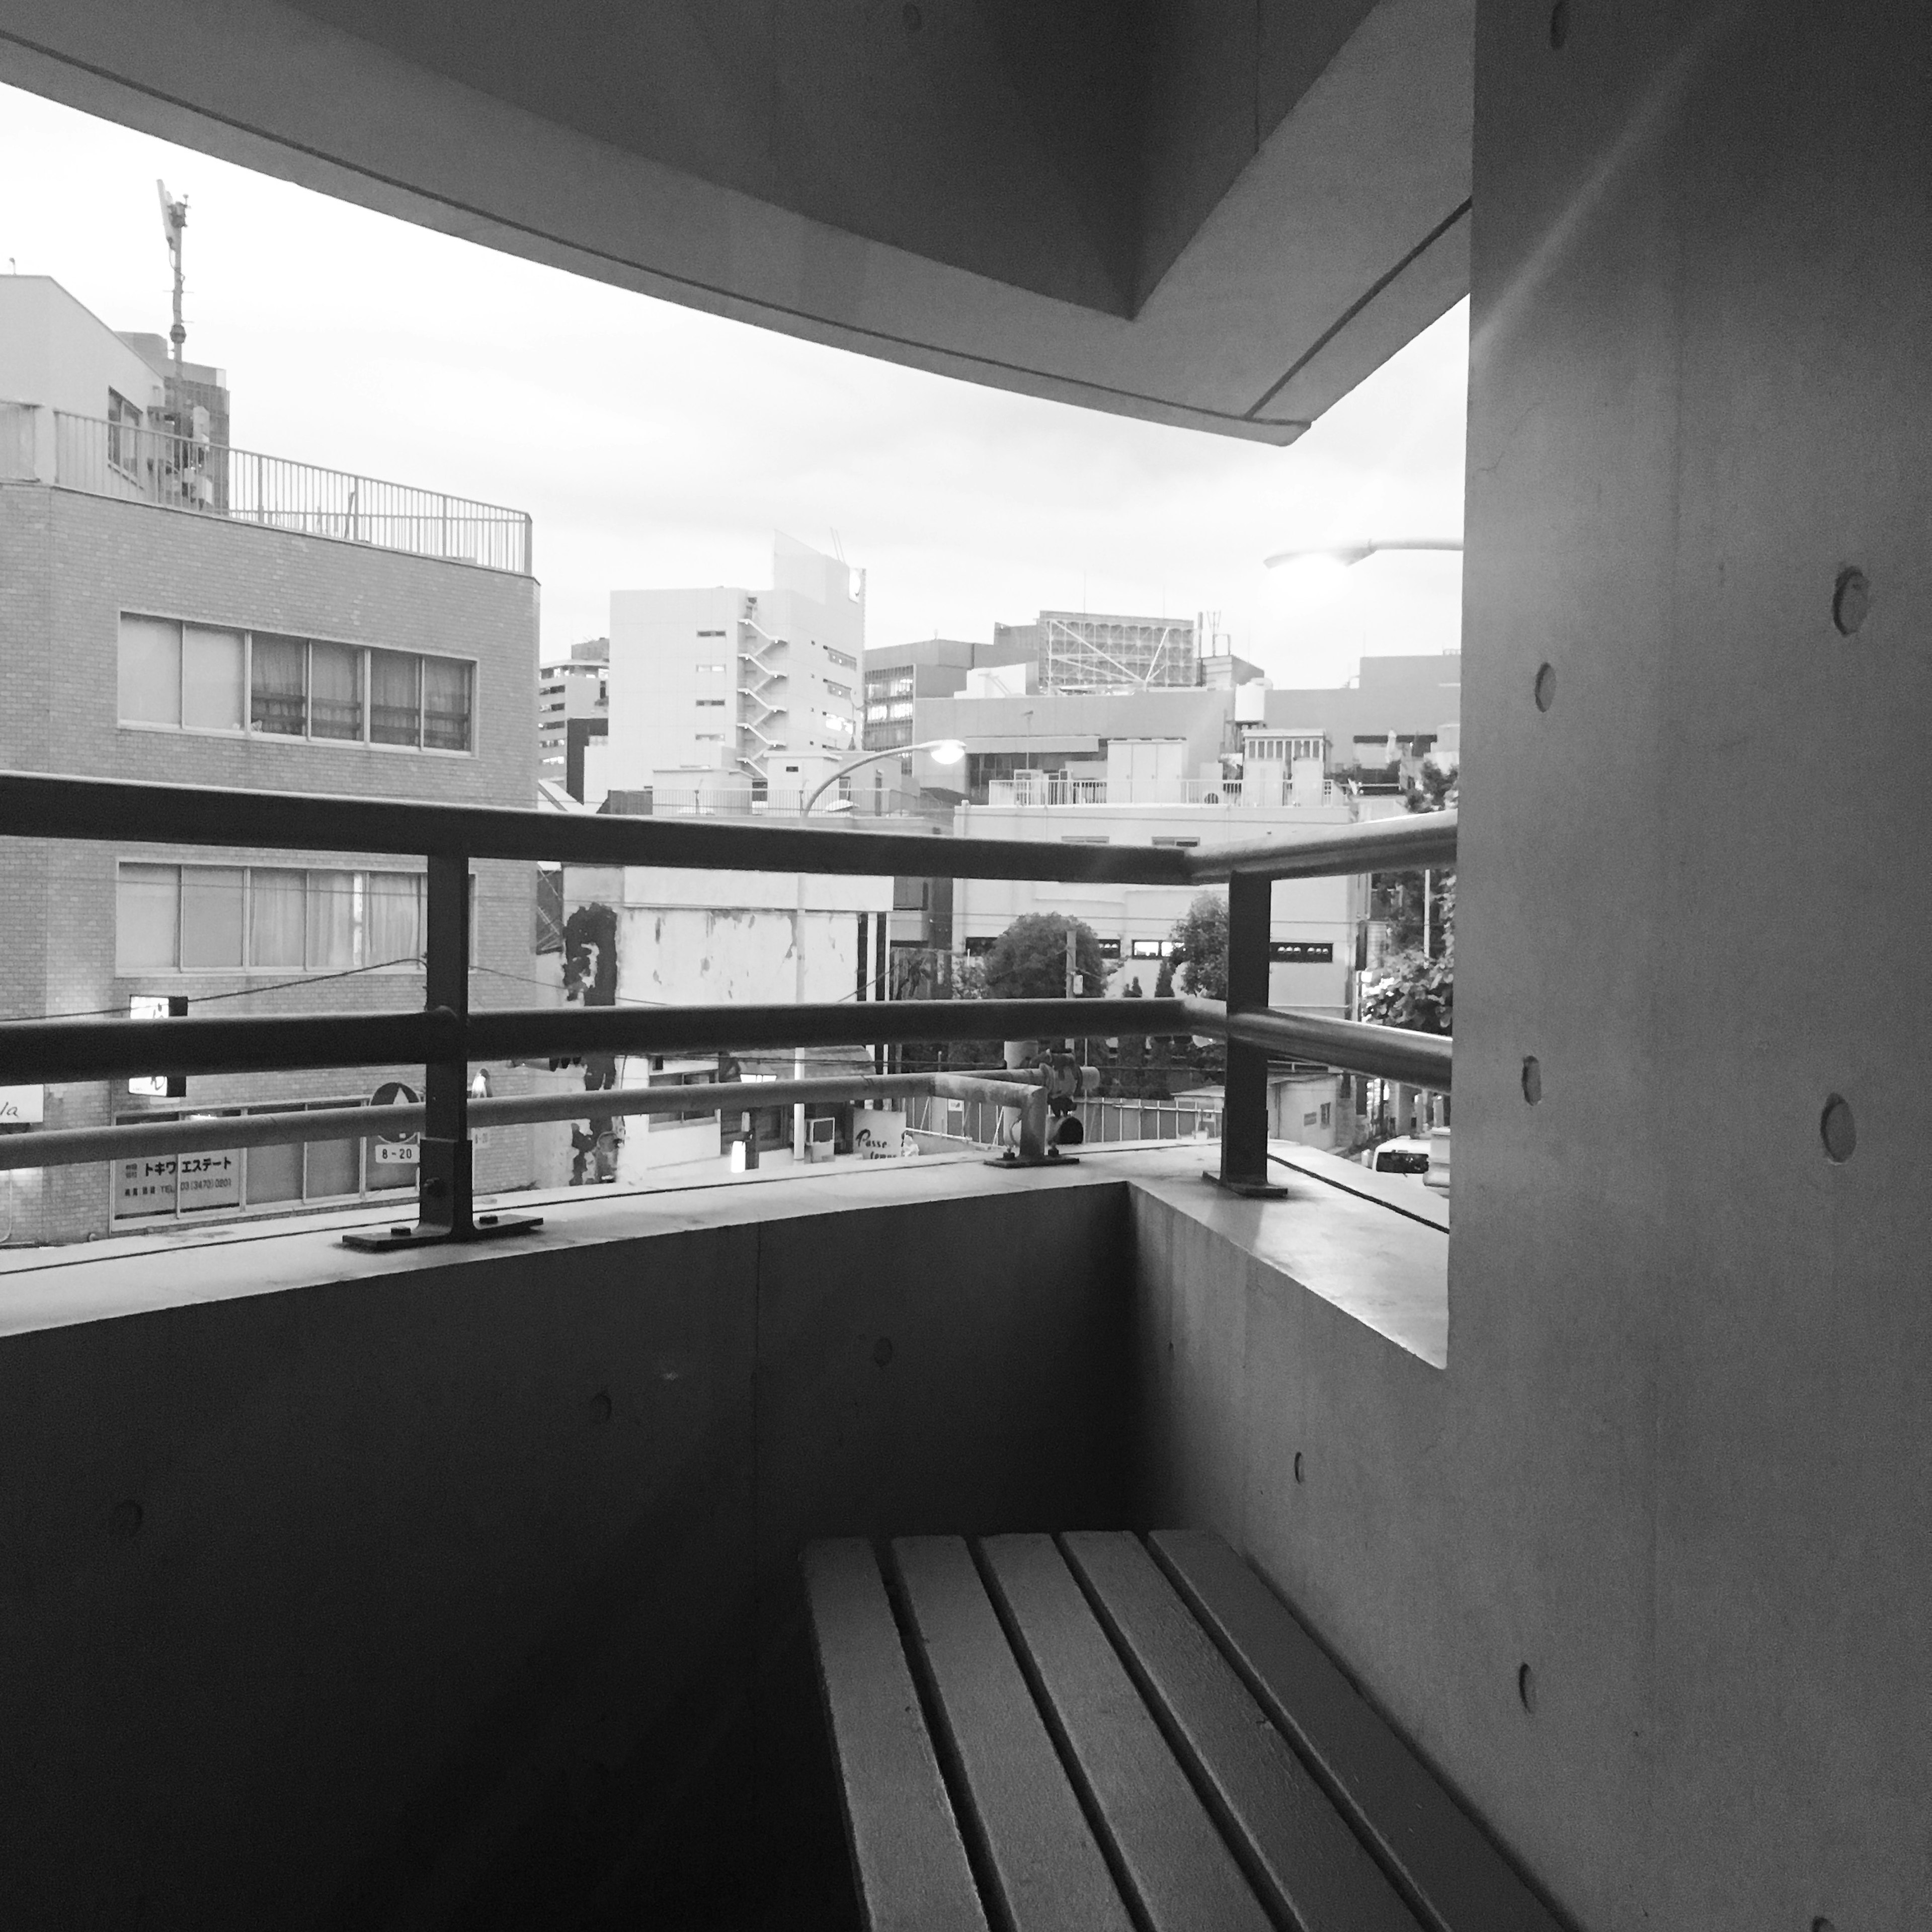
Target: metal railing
[(1024, 790), (445, 1036), (138, 463)]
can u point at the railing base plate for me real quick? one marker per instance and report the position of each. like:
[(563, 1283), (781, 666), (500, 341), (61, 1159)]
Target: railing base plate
[(486, 1227), (1034, 1160), (1249, 1190)]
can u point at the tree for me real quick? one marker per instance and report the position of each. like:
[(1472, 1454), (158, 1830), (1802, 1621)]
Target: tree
[(1163, 981), (1200, 939), (1028, 961), (1414, 993)]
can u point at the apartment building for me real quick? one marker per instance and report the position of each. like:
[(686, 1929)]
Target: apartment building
[(232, 636), (574, 720), (732, 694)]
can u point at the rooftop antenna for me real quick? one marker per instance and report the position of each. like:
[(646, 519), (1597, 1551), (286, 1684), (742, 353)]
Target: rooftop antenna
[(174, 224)]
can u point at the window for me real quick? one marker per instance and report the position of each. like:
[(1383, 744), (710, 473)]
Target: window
[(1151, 948), (710, 704), (395, 698), (1084, 838), (335, 692), (446, 683), (708, 670), (213, 678), (199, 677), (711, 633), (278, 686), (150, 679), (1302, 952), (689, 1077), (1182, 844), (1327, 1113), (710, 737), (901, 709), (215, 918)]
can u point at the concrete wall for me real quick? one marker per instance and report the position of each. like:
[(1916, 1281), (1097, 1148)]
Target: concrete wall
[(1678, 1463), (438, 1595)]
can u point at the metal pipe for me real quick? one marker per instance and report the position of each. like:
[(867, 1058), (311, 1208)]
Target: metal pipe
[(33, 1052), (1388, 1053), (65, 1147), (1403, 845), (35, 806)]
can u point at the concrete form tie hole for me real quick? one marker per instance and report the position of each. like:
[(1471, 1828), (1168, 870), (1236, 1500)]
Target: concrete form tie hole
[(1532, 1079), (1525, 1688)]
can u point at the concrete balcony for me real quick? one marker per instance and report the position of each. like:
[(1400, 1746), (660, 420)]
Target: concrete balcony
[(460, 1588)]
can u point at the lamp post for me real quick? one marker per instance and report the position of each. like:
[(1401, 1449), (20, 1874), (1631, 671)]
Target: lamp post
[(1354, 550), (945, 751)]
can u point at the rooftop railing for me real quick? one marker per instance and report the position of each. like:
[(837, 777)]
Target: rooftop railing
[(444, 1037), (138, 463)]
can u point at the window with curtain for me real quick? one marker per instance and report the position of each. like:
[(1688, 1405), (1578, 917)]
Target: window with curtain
[(445, 704), (395, 700), (392, 918), (277, 919), (212, 912), (332, 908), (212, 678), (279, 687), (150, 671), (147, 915), (334, 691)]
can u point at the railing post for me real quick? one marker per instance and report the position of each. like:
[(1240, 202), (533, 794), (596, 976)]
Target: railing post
[(445, 1195), (445, 1170), (1244, 1117)]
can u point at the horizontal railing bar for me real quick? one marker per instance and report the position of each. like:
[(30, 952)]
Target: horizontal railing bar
[(1385, 1053), (66, 1147), (532, 1033), (1406, 843), (33, 1052), (35, 805)]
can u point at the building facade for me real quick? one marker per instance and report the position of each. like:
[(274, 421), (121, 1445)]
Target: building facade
[(728, 692), (573, 720), (149, 641)]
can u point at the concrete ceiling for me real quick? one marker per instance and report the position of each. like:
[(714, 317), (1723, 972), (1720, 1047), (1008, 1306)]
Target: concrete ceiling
[(1222, 213)]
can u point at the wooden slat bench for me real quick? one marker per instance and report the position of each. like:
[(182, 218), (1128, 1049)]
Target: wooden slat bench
[(1042, 1734)]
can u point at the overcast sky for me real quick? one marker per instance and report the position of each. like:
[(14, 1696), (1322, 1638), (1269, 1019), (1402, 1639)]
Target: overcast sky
[(655, 446)]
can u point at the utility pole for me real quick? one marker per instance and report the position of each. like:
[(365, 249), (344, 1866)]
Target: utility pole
[(1425, 916), (174, 224)]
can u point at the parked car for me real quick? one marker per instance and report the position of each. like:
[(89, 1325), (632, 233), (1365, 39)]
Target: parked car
[(1404, 1156)]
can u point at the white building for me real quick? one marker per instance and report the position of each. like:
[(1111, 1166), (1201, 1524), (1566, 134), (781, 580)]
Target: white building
[(1315, 923), (725, 939), (729, 693)]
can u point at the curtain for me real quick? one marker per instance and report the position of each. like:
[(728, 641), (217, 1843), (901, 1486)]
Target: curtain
[(212, 678), (150, 671), (331, 921), (146, 910), (276, 918), (279, 685), (445, 704), (393, 921), (393, 703), (334, 691), (211, 916)]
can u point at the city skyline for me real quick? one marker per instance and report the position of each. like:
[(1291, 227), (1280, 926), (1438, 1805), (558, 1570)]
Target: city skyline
[(655, 447)]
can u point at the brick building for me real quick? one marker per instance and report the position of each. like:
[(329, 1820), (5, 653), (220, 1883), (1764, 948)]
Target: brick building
[(148, 641)]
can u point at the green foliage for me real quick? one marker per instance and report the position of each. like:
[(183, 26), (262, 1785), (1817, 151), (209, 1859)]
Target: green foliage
[(1163, 981), (1414, 992), (1028, 961), (1200, 938)]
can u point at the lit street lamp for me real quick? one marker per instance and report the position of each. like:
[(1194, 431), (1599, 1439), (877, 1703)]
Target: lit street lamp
[(1349, 552), (945, 751)]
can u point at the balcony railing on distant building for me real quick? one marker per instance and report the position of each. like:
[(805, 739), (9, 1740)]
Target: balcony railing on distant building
[(1026, 789), (139, 464)]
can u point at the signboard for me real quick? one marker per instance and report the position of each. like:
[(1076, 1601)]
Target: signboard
[(1301, 952), (205, 1181), (22, 1106), (145, 1186), (399, 1149)]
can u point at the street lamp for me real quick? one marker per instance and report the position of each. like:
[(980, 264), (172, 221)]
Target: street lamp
[(945, 751), (1353, 551)]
